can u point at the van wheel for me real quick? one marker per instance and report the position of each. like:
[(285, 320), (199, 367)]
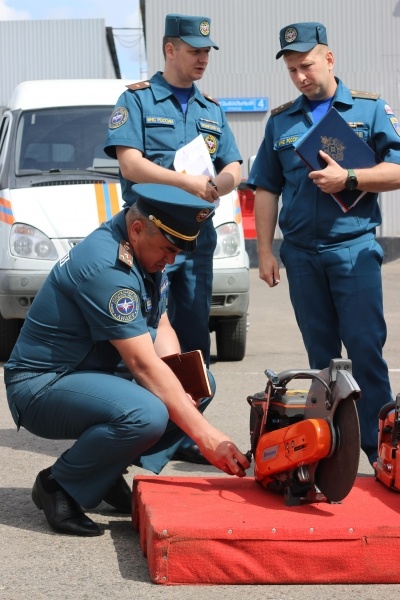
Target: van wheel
[(230, 337), (9, 330)]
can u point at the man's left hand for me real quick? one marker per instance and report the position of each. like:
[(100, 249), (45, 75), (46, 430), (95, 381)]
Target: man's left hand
[(332, 178)]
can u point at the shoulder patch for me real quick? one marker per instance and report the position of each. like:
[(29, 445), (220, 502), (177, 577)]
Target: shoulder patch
[(281, 108), (210, 98), (366, 95), (140, 85), (124, 305)]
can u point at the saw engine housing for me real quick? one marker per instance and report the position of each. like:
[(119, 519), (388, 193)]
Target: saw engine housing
[(387, 467), (306, 443)]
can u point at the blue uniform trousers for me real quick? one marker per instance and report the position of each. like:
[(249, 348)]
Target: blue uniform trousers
[(337, 297), (190, 291), (114, 421)]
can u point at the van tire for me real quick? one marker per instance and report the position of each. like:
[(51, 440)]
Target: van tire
[(9, 331), (230, 337)]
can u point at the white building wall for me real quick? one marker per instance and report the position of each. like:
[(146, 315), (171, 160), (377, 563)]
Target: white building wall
[(363, 35)]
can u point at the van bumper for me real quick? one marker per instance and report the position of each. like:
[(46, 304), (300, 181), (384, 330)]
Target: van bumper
[(230, 293), (17, 291)]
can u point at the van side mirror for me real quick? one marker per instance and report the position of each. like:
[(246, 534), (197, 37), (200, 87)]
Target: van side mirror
[(251, 160)]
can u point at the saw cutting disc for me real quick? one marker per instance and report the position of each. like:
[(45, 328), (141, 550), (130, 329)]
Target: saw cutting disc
[(335, 475)]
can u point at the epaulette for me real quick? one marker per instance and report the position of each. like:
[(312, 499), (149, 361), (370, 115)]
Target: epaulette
[(282, 107), (366, 95), (125, 253), (140, 85), (210, 98)]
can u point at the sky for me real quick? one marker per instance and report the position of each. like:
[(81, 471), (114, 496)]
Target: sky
[(124, 18)]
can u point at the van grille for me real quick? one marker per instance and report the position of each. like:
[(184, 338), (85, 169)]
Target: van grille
[(67, 182)]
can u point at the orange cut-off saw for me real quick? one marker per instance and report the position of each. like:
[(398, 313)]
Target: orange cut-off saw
[(306, 443)]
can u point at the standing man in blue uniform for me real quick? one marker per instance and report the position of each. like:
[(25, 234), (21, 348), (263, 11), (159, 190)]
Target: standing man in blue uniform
[(104, 302), (332, 259), (154, 118)]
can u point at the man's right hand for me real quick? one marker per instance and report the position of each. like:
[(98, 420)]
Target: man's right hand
[(269, 269), (199, 185), (225, 455)]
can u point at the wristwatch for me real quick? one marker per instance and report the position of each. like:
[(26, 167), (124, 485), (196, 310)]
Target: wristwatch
[(351, 181)]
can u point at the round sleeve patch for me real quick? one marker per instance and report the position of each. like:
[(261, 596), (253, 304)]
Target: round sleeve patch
[(118, 118), (124, 305)]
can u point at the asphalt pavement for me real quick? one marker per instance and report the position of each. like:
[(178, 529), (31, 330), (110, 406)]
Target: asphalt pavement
[(36, 563)]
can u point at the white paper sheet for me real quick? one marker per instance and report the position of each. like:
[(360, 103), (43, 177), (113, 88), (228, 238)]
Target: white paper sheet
[(194, 159)]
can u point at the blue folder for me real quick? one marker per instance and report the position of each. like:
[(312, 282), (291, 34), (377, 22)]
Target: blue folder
[(336, 137)]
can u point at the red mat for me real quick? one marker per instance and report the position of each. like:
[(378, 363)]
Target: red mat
[(223, 530)]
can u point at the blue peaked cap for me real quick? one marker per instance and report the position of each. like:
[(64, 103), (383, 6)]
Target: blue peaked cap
[(301, 37), (194, 31), (178, 214)]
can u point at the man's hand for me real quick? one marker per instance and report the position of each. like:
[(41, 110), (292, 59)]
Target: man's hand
[(269, 269), (332, 178), (199, 185), (226, 456)]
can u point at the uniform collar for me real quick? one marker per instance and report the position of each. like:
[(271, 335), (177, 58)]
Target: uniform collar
[(162, 90), (119, 226), (342, 96)]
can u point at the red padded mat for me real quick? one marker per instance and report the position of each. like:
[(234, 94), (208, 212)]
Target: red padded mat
[(223, 530)]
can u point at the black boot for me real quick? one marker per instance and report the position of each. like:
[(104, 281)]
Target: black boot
[(120, 496), (62, 512)]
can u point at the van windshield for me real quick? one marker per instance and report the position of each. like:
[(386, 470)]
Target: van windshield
[(63, 139)]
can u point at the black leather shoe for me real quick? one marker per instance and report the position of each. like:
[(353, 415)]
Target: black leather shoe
[(62, 512), (120, 496), (191, 454)]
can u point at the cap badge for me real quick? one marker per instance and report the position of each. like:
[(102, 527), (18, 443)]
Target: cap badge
[(202, 215), (205, 28), (290, 35)]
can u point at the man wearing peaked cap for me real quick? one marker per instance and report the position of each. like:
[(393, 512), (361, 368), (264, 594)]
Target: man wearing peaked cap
[(331, 256), (151, 121), (176, 213), (87, 365)]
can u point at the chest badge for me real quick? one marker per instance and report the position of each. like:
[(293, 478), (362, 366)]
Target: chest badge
[(211, 143)]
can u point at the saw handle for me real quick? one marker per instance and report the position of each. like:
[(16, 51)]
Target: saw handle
[(285, 376)]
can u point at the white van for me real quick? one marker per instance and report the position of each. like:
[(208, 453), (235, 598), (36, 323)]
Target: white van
[(57, 185)]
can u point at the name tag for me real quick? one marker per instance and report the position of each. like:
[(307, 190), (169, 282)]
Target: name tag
[(286, 141), (213, 126), (154, 121)]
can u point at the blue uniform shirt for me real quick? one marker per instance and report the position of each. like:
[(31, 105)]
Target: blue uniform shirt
[(309, 218), (90, 296), (151, 120)]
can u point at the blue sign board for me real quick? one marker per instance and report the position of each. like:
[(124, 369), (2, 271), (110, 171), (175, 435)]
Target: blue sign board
[(243, 104)]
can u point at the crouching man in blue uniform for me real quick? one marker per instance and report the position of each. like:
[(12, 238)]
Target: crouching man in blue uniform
[(332, 259), (103, 303)]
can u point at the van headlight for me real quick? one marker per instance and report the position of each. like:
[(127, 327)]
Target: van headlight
[(228, 240), (28, 242)]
